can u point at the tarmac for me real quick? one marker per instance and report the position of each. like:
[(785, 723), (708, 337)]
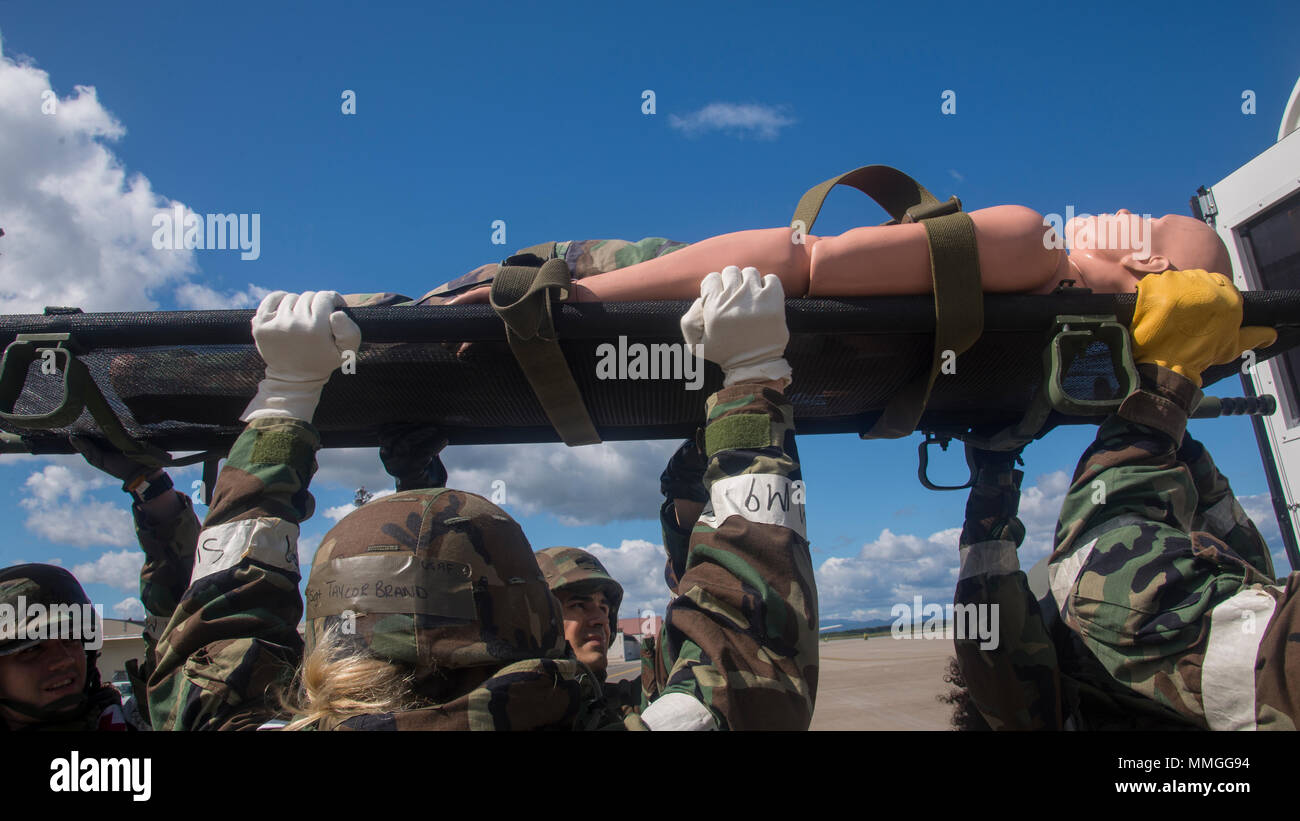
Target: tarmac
[(881, 683)]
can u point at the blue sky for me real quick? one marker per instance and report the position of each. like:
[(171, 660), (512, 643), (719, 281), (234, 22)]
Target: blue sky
[(533, 115)]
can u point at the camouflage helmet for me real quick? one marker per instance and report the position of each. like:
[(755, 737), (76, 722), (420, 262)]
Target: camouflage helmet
[(436, 579), (63, 606), (574, 570)]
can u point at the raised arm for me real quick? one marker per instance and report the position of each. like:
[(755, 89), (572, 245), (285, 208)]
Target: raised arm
[(233, 640), (1169, 612), (1013, 675), (168, 530), (1217, 510), (739, 645)]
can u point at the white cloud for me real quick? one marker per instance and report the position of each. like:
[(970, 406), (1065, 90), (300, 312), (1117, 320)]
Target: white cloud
[(638, 566), (869, 614), (1040, 507), (337, 512), (82, 525), (120, 569), (198, 297), (1259, 508), (130, 608), (307, 546), (593, 484), (743, 119), (59, 510), (894, 567), (53, 481), (351, 468), (78, 230)]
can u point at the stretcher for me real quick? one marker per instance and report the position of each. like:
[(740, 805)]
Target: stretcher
[(156, 382)]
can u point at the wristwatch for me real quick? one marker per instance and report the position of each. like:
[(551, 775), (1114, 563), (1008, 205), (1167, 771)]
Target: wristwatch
[(145, 489)]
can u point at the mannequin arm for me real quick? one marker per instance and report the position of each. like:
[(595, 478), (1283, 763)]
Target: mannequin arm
[(870, 261)]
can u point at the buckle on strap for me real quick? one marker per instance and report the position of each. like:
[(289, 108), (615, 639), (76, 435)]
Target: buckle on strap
[(522, 296), (925, 211)]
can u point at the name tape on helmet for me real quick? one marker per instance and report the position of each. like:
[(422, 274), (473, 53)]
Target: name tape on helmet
[(267, 540), (764, 498), (391, 584)]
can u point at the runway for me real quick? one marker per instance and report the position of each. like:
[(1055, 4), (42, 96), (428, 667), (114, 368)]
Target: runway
[(881, 683)]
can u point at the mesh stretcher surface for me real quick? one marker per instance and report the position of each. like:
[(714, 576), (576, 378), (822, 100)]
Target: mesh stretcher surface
[(178, 380)]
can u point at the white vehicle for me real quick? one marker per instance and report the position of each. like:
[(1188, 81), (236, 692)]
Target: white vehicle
[(1256, 210)]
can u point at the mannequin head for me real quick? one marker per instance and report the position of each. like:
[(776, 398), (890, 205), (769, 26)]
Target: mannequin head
[(1111, 252)]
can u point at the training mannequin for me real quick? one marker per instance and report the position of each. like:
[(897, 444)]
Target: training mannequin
[(1019, 252)]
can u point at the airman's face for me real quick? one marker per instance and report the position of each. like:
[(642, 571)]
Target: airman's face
[(42, 674), (586, 626)]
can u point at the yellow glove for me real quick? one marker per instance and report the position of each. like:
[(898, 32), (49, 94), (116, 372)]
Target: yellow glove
[(1189, 320)]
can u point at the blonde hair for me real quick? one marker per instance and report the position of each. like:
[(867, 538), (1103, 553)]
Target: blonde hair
[(339, 680)]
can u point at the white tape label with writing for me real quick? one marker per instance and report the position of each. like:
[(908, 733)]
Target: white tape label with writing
[(758, 497), (269, 540)]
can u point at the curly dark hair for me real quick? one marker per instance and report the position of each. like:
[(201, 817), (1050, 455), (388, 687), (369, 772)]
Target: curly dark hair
[(965, 715)]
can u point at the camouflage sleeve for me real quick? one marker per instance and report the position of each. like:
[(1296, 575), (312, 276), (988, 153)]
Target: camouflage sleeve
[(653, 674), (1003, 649), (623, 696), (169, 561), (585, 257), (1219, 513), (1171, 613), (233, 641), (677, 542), (740, 640), (597, 256)]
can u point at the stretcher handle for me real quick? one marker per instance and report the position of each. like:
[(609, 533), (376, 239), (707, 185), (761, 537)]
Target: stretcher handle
[(923, 463), (57, 353), (1214, 406)]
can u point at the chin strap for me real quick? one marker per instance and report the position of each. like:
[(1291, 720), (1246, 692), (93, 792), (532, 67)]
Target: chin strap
[(57, 710)]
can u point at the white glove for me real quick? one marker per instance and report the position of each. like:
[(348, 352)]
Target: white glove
[(740, 320), (301, 338)]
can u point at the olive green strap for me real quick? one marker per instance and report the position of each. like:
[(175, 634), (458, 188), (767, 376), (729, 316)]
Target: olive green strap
[(958, 317), (521, 296), (543, 251), (80, 394), (905, 199)]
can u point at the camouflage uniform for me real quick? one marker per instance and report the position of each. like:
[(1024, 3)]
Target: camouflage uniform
[(169, 547), (741, 631), (740, 646), (584, 257), (1161, 623), (576, 571), (1016, 685), (683, 478)]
